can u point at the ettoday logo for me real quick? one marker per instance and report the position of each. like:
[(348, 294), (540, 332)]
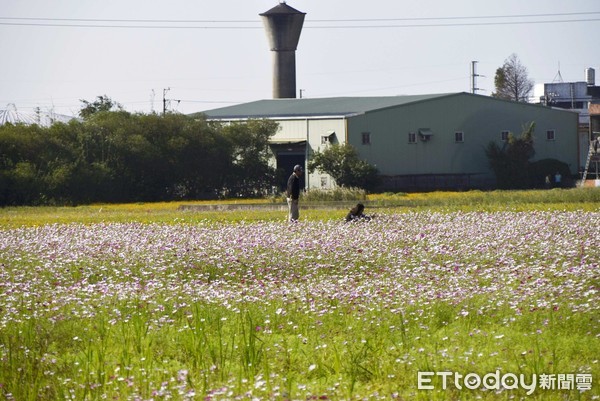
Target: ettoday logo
[(507, 381)]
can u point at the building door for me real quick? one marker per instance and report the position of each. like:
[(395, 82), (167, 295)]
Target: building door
[(287, 155), (285, 167)]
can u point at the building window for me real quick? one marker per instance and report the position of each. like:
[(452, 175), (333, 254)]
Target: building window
[(504, 135), (459, 136), (325, 140), (412, 137), (550, 135), (366, 138), (323, 182)]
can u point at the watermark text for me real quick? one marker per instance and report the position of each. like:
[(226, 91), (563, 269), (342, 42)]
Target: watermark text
[(507, 381)]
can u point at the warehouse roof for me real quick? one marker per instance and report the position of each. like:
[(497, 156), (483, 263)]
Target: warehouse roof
[(319, 107)]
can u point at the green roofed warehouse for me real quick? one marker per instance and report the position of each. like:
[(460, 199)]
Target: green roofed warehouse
[(420, 142)]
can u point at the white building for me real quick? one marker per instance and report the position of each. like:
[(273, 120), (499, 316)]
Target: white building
[(44, 119)]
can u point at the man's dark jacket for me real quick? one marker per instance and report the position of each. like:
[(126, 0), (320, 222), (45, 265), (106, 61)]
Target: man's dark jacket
[(293, 187)]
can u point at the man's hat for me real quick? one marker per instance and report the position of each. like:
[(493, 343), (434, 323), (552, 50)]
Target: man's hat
[(297, 167)]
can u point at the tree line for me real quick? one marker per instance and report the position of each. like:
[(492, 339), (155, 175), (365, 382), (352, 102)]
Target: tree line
[(116, 156)]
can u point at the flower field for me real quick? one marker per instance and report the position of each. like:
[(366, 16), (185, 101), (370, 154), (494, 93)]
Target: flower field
[(267, 310)]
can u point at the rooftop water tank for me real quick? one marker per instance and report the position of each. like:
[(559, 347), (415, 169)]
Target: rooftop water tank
[(590, 76)]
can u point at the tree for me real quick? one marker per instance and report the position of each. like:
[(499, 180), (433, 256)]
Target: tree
[(116, 156), (102, 103), (510, 163), (342, 163), (512, 82), (250, 173), (23, 152)]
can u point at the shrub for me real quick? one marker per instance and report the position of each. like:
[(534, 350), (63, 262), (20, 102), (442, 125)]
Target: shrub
[(539, 170)]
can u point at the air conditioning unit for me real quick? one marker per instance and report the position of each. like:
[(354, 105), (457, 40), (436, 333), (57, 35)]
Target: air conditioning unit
[(425, 134)]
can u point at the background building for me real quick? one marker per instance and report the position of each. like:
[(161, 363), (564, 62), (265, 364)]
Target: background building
[(593, 167), (577, 96), (419, 142), (12, 115)]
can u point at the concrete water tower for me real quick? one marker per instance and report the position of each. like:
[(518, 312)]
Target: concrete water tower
[(283, 25)]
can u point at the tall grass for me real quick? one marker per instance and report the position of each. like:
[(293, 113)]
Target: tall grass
[(496, 199), (338, 194)]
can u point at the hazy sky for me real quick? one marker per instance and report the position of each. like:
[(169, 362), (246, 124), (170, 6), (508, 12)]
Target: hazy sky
[(214, 53)]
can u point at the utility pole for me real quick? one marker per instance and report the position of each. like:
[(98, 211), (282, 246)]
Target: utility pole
[(165, 100), (474, 76), (152, 95)]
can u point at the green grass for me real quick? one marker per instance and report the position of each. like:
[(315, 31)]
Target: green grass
[(168, 212), (340, 357), (495, 200)]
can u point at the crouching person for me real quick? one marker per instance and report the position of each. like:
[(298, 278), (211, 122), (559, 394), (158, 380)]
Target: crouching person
[(357, 213)]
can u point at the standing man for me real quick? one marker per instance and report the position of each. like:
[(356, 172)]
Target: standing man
[(293, 193)]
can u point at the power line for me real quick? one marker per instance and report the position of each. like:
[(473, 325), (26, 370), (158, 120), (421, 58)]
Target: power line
[(458, 17), (387, 88), (213, 101), (158, 21), (454, 25), (212, 24), (311, 20), (306, 27), (124, 26)]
